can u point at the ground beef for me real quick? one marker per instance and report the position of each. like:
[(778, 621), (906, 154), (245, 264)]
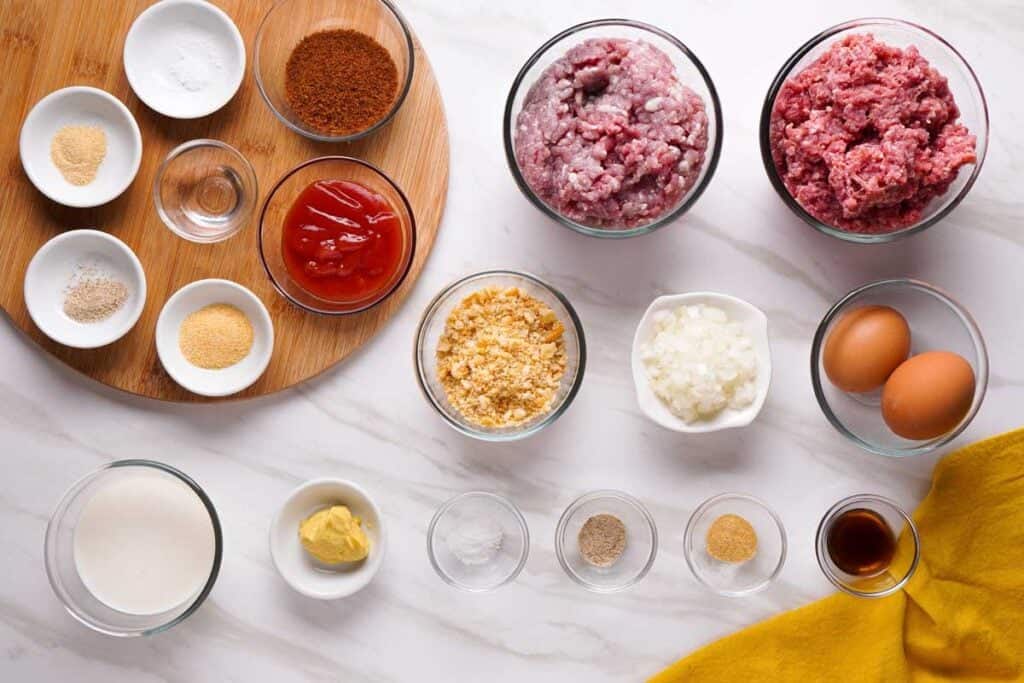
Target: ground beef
[(609, 137), (867, 135)]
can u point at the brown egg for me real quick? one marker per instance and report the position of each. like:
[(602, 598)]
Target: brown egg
[(864, 346), (928, 395)]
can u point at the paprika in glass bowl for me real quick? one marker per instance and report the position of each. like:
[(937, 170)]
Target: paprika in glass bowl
[(337, 236), (333, 70)]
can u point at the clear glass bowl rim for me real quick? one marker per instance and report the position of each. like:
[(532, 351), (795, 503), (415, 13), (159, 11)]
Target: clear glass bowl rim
[(501, 500), (403, 91), (981, 380), (418, 350), (218, 539), (188, 146), (611, 233), (563, 522), (701, 509), (412, 233), (820, 545), (769, 103)]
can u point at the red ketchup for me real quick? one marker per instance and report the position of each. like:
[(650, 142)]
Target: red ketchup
[(341, 241)]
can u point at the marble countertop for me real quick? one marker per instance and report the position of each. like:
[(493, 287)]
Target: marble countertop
[(367, 421)]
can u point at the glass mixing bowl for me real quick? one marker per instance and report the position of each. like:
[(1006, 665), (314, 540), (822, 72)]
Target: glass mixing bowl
[(289, 21), (470, 515), (937, 323), (690, 72), (433, 323), (637, 557), (60, 556), (962, 83), (280, 200)]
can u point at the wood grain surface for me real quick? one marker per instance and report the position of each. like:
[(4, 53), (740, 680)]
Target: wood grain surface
[(51, 44)]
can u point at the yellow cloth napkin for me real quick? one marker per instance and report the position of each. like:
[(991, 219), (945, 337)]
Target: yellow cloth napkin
[(960, 618)]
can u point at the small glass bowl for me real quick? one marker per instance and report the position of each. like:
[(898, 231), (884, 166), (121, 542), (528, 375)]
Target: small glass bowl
[(432, 326), (490, 572), (289, 21), (205, 191), (937, 322), (904, 562), (63, 574), (689, 69), (736, 579), (641, 541), (963, 83), (284, 194)]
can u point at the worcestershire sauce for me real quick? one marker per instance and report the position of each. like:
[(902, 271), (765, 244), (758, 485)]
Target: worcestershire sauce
[(861, 543)]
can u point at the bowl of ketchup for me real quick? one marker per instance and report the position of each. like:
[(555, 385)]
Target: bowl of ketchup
[(337, 235)]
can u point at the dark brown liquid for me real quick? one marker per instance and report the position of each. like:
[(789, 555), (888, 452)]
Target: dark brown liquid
[(861, 543)]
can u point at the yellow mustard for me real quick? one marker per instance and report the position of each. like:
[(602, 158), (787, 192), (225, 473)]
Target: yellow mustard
[(334, 535)]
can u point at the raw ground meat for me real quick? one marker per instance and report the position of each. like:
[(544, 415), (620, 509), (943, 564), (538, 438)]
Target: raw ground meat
[(867, 135), (609, 137)]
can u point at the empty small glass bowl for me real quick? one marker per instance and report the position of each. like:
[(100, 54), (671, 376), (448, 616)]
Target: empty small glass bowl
[(904, 562), (284, 194), (690, 72), (205, 191), (741, 578), (478, 541), (289, 21), (63, 573), (432, 326), (937, 323), (637, 557), (942, 56)]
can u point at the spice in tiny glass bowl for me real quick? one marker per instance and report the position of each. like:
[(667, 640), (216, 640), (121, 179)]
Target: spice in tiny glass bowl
[(602, 540), (732, 539)]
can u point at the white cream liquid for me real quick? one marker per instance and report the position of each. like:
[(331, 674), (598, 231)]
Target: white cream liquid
[(144, 543)]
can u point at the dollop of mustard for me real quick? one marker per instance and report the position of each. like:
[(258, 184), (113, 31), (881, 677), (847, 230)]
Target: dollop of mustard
[(334, 535)]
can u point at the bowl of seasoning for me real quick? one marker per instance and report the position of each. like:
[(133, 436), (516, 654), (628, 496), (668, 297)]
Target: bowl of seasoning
[(500, 355), (85, 288), (337, 235), (333, 70), (890, 147), (735, 544), (606, 541), (80, 146), (478, 541), (214, 337), (899, 367), (133, 548), (632, 141), (868, 546)]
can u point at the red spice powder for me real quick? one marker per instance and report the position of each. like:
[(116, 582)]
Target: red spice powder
[(340, 82)]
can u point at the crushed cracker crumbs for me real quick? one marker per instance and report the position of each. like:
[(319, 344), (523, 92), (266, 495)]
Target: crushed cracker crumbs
[(501, 357)]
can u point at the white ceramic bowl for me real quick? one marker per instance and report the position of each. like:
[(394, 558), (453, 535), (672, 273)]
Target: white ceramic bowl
[(226, 381), (170, 41), (81, 106), (302, 572), (755, 323), (50, 271)]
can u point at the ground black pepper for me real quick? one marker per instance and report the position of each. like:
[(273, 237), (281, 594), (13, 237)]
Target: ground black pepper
[(340, 82)]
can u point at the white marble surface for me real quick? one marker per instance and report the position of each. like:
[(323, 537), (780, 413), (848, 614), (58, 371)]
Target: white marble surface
[(366, 419)]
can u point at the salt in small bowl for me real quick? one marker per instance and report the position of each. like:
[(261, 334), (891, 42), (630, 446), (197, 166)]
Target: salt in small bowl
[(755, 324)]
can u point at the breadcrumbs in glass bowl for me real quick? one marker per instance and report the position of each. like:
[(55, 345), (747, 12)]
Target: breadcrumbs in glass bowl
[(500, 354)]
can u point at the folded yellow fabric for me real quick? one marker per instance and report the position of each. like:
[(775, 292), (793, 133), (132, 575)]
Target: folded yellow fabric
[(960, 618)]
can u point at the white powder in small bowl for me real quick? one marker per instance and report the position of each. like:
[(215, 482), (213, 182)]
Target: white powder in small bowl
[(699, 362), (475, 541)]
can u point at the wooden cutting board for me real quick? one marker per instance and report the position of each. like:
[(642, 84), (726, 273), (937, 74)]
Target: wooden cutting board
[(50, 44)]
